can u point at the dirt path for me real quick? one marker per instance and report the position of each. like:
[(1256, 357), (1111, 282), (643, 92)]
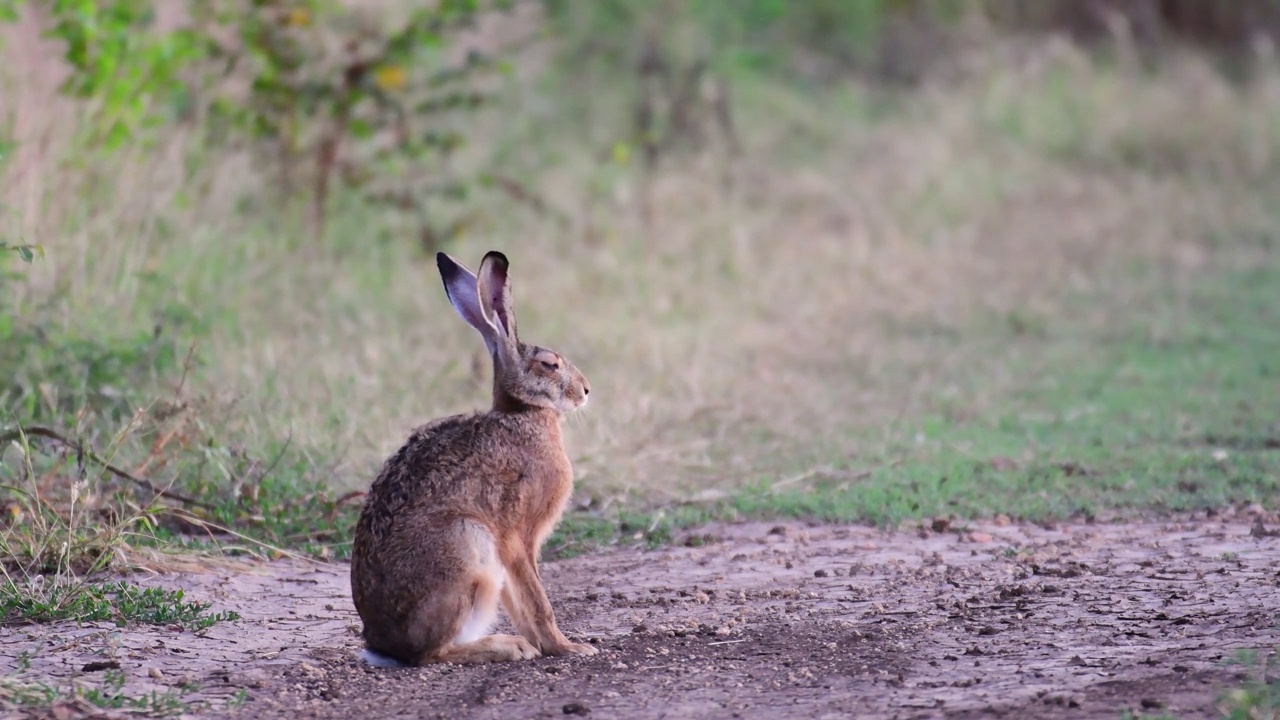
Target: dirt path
[(771, 621)]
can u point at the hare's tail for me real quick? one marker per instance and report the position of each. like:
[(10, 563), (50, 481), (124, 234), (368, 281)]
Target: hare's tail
[(379, 660)]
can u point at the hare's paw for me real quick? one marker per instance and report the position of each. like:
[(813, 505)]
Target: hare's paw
[(519, 648), (565, 647), (574, 648)]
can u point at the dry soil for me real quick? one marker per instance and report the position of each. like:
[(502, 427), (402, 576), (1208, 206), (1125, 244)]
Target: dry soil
[(752, 620)]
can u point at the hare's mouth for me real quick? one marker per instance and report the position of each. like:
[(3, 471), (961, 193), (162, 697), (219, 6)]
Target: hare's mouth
[(568, 405)]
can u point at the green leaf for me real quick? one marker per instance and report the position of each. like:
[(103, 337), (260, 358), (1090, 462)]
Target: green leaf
[(9, 10), (361, 129), (26, 252)]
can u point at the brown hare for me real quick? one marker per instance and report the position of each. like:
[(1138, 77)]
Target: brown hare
[(456, 518)]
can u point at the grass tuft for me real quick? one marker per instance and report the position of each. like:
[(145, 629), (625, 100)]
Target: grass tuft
[(81, 698), (1258, 695), (120, 602)]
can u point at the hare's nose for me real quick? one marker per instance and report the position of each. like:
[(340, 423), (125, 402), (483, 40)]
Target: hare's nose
[(586, 389)]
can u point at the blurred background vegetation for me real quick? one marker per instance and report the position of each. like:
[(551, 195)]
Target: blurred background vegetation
[(854, 259)]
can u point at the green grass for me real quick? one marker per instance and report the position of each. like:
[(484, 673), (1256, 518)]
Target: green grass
[(119, 602), (62, 597), (1255, 697), (1167, 409), (108, 693), (1171, 406), (1258, 696), (1174, 407)]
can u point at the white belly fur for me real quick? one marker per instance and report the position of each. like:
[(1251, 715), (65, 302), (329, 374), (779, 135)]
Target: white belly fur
[(483, 558)]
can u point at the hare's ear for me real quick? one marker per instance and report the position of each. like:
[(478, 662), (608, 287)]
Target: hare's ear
[(460, 285), (494, 288)]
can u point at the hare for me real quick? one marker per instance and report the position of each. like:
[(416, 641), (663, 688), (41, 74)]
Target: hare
[(456, 518)]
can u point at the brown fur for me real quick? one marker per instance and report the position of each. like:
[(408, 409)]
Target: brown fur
[(455, 521)]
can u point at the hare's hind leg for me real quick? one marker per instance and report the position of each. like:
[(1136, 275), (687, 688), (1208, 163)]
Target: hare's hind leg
[(490, 648), (467, 612)]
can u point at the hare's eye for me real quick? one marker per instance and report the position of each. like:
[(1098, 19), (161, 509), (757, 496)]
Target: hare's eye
[(550, 365)]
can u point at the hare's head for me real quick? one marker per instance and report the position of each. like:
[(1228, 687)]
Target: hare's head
[(523, 375)]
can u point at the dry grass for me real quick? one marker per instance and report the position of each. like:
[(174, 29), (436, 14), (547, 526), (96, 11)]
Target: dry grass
[(807, 308)]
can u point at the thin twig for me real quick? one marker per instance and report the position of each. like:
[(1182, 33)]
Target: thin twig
[(726, 642), (51, 434), (343, 500), (157, 447), (207, 525), (826, 471), (186, 369), (283, 449), (348, 497)]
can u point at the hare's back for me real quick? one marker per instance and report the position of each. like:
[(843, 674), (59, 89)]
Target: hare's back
[(425, 469)]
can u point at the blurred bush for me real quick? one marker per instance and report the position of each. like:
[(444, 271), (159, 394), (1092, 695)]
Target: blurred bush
[(825, 37), (375, 101), (321, 92), (1223, 26)]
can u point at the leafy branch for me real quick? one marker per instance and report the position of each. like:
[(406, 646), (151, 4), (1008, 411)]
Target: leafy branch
[(26, 252), (338, 99)]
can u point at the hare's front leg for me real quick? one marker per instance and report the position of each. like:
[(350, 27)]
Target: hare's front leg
[(526, 603)]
